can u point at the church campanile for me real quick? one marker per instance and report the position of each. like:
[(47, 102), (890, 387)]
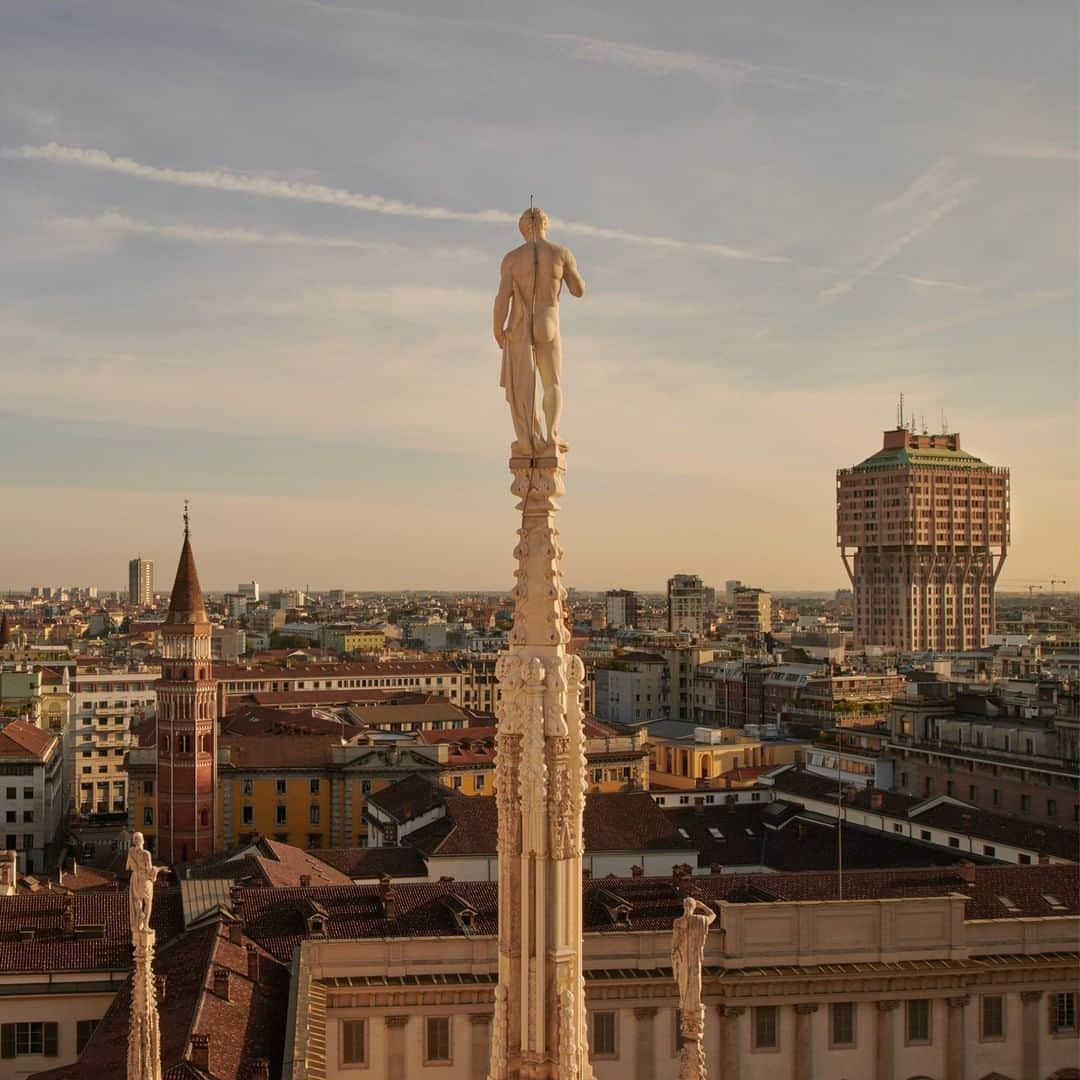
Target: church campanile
[(186, 722)]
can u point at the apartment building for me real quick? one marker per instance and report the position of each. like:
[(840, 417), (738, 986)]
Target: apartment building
[(108, 703), (32, 786)]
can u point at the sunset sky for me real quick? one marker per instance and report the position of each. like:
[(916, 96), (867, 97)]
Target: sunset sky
[(250, 249)]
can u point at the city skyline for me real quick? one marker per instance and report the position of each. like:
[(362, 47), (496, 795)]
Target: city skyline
[(297, 313)]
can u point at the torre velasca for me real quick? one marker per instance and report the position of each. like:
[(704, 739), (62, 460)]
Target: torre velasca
[(923, 529)]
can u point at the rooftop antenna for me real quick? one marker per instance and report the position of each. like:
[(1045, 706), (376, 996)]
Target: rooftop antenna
[(922, 422), (900, 411)]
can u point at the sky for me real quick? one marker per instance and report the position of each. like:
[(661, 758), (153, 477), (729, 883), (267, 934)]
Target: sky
[(251, 248)]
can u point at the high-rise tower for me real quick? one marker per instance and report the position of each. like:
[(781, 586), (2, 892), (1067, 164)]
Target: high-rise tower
[(141, 581), (923, 529), (186, 722)]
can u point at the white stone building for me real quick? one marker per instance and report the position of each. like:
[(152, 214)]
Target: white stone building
[(31, 792)]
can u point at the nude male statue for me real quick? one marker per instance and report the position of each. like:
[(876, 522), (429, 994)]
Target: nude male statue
[(526, 321)]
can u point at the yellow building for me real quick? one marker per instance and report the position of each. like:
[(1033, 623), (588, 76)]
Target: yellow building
[(685, 756), (352, 639)]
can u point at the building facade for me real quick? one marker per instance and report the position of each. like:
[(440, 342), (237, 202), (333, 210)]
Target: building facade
[(141, 582), (109, 702), (753, 613), (687, 603), (32, 786), (621, 607), (923, 530)]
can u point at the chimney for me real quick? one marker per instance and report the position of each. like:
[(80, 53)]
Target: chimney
[(388, 898), (877, 800), (260, 1069), (716, 868), (253, 960), (200, 1052), (221, 983), (159, 988), (637, 870), (236, 932), (68, 915), (305, 881)]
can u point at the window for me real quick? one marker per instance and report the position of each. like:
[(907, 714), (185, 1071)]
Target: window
[(83, 1030), (989, 850), (973, 793), (353, 1042), (603, 1040), (766, 1033), (1063, 1012), (992, 1017), (924, 834), (437, 1040), (365, 787), (1051, 807), (247, 814), (1025, 804), (918, 1020), (481, 781), (954, 841), (148, 815), (314, 814), (455, 782), (313, 786), (280, 814), (281, 786), (247, 787), (148, 787), (23, 1040), (27, 792), (996, 796), (184, 742), (842, 1024)]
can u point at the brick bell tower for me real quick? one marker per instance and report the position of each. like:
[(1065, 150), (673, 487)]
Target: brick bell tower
[(186, 722)]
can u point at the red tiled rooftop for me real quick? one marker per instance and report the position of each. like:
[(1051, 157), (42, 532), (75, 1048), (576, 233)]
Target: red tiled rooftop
[(21, 738)]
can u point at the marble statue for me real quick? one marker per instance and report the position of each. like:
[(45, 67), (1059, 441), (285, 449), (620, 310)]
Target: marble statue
[(141, 885), (688, 934), (527, 330)]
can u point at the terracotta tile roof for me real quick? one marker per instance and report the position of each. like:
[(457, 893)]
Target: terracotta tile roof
[(619, 821), (277, 751), (359, 863), (20, 738), (248, 1025), (186, 602), (276, 917), (51, 949), (411, 797), (259, 720), (233, 672)]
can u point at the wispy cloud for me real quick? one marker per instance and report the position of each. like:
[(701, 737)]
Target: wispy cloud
[(939, 180), (938, 283), (715, 70), (1005, 148), (111, 222), (269, 187), (941, 189)]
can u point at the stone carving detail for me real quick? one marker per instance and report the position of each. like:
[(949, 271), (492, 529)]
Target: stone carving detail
[(688, 934), (539, 1030), (144, 1036)]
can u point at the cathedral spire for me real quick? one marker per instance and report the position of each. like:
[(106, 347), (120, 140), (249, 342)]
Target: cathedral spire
[(186, 603)]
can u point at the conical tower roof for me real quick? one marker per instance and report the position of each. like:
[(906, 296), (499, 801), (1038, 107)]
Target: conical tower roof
[(186, 603)]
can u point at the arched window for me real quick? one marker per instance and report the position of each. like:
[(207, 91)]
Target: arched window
[(164, 744)]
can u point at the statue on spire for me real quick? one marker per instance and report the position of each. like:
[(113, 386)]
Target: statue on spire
[(526, 321)]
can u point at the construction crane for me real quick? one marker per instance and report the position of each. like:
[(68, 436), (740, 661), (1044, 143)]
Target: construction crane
[(1031, 590), (1056, 581)]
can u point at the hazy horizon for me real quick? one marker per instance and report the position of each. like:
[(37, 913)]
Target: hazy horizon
[(252, 249)]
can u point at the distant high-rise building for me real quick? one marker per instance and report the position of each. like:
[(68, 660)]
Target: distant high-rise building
[(687, 602), (753, 612), (923, 529), (730, 589), (621, 607), (250, 589), (141, 581)]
